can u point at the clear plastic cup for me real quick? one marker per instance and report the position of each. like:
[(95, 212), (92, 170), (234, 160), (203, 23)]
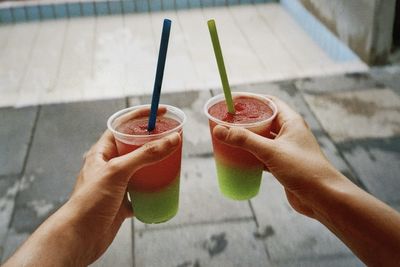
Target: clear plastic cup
[(239, 172), (154, 189)]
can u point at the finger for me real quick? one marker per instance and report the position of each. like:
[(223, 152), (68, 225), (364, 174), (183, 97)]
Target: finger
[(259, 146), (105, 147), (147, 154), (285, 114)]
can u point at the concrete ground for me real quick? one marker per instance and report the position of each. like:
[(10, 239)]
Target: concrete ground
[(356, 118), (92, 58)]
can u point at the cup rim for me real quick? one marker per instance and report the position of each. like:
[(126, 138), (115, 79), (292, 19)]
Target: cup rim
[(243, 125), (122, 111)]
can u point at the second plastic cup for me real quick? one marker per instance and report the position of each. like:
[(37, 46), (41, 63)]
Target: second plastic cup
[(239, 172), (154, 189)]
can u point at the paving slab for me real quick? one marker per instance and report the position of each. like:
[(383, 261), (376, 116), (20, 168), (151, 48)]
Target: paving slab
[(388, 76), (200, 199), (15, 132), (18, 49), (337, 83), (376, 162), (287, 234), (226, 244), (120, 252), (63, 134), (42, 69), (363, 114), (8, 190), (113, 56), (197, 139)]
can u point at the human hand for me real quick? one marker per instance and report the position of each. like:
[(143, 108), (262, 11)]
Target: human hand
[(82, 229), (293, 156), (100, 192)]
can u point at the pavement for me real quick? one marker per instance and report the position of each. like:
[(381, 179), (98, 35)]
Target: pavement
[(356, 118), (102, 57)]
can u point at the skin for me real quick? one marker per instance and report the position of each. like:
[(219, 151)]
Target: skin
[(369, 227), (82, 229)]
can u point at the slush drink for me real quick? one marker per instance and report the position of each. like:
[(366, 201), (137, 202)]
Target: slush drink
[(153, 189), (239, 172)]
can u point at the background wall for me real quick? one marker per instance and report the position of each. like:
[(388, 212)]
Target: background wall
[(365, 25)]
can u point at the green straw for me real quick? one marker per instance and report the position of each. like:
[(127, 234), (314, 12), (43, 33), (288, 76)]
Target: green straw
[(221, 66)]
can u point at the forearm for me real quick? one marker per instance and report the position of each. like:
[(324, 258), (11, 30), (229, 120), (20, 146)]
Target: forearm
[(369, 227), (54, 243)]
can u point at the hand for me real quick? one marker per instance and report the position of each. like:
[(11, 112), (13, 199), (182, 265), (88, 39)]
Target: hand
[(82, 229), (100, 191), (369, 227), (293, 156)]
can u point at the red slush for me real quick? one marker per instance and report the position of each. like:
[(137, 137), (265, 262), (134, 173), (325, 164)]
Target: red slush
[(154, 189), (239, 171)]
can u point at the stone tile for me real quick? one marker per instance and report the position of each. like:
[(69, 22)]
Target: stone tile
[(376, 162), (197, 139), (8, 191), (200, 199), (43, 68), (285, 91), (334, 261), (287, 234), (121, 249), (226, 244), (63, 134), (388, 76), (16, 128), (361, 114), (341, 82)]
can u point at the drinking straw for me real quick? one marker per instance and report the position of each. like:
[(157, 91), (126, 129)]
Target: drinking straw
[(155, 100), (221, 66)]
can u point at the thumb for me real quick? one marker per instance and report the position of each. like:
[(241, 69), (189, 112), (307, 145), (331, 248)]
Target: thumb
[(147, 154), (259, 146)]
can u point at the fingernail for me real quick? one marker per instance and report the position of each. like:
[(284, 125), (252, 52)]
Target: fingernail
[(220, 132)]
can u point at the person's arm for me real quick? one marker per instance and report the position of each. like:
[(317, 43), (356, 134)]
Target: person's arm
[(82, 229), (369, 227)]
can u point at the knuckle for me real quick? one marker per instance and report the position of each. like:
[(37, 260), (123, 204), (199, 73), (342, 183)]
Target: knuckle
[(90, 153), (238, 136), (152, 150), (87, 154)]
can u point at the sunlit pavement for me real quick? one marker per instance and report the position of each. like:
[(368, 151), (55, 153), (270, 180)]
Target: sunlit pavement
[(93, 58)]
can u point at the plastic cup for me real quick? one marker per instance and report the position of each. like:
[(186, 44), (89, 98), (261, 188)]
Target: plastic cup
[(154, 189), (239, 172)]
